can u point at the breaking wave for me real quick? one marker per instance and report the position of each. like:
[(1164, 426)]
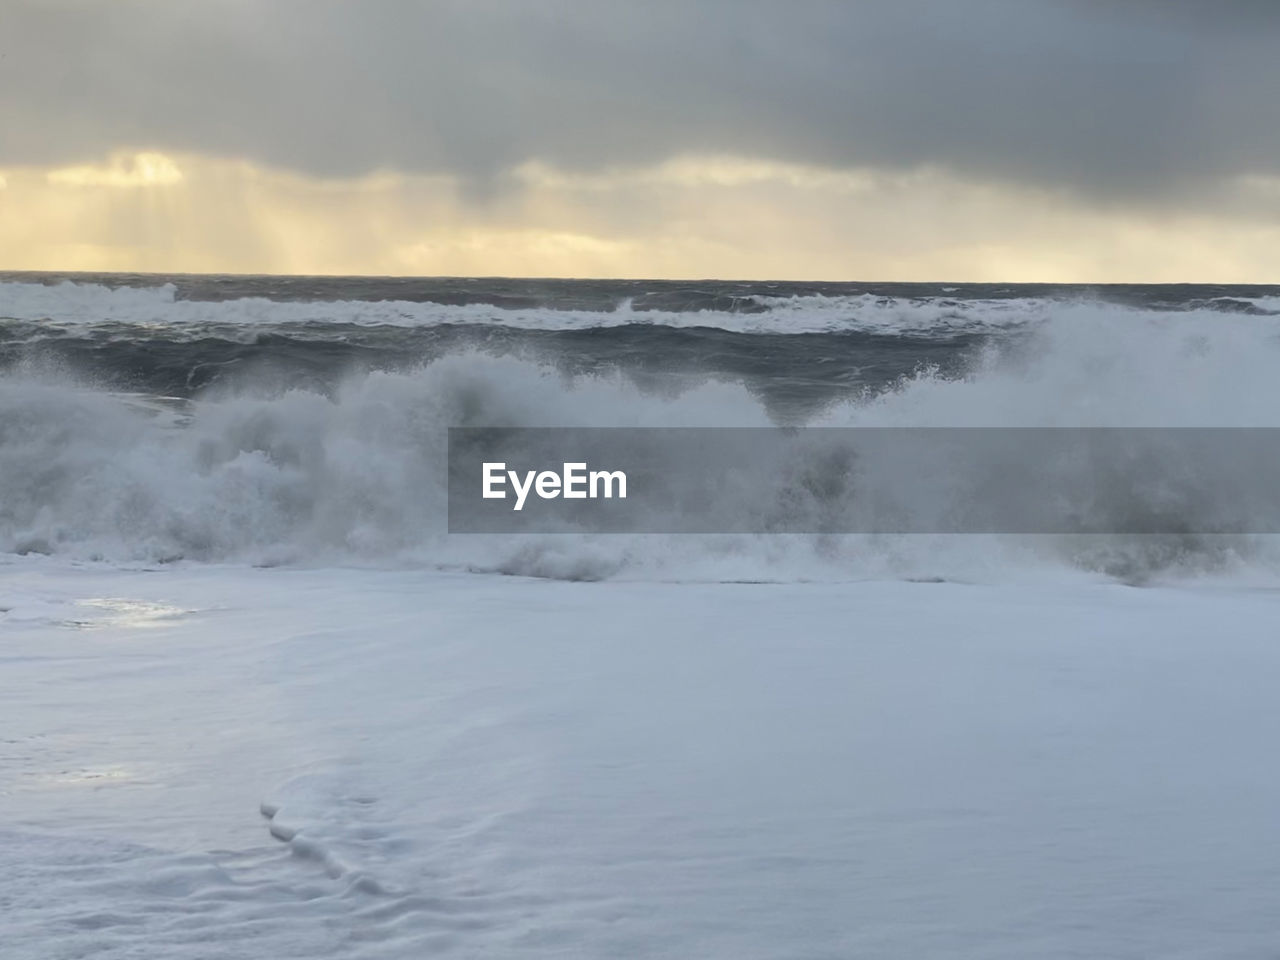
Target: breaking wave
[(67, 306), (354, 473)]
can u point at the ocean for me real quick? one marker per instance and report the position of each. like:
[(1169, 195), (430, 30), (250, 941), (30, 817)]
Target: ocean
[(258, 701), (275, 420)]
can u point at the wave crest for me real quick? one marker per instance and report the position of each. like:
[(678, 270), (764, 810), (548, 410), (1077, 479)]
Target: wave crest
[(297, 476)]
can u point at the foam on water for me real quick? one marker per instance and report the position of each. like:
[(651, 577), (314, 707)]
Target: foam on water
[(269, 476), (70, 305), (319, 761), (383, 765)]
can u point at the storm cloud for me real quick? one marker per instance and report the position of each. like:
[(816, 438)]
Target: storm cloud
[(1119, 99)]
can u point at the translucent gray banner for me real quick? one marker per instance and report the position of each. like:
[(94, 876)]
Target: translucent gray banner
[(864, 480)]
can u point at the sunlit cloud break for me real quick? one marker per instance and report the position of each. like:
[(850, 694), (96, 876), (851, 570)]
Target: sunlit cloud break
[(124, 170), (688, 216), (1059, 140)]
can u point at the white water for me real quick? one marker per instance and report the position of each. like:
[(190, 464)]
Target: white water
[(370, 753), (268, 478), (455, 765), (70, 304)]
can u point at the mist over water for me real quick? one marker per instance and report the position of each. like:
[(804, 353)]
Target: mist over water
[(280, 421)]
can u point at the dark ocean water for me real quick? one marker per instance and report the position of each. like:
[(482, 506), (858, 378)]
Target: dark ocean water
[(794, 344), (282, 419), (677, 296)]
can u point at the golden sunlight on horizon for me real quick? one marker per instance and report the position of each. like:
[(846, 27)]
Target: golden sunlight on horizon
[(124, 170), (693, 216)]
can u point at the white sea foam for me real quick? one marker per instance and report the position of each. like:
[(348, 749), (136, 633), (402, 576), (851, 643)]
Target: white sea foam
[(388, 765), (290, 477), (318, 761), (70, 304)]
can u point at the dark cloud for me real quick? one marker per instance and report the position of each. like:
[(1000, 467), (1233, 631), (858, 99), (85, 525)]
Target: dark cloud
[(1119, 98)]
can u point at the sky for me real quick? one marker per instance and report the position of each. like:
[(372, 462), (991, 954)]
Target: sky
[(1006, 140)]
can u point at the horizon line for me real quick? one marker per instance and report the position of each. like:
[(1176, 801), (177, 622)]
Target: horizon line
[(624, 279)]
